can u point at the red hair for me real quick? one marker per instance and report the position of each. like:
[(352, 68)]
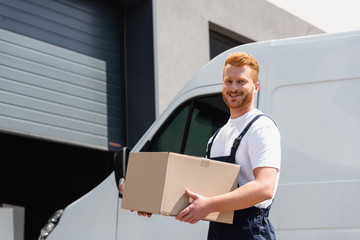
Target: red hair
[(243, 59)]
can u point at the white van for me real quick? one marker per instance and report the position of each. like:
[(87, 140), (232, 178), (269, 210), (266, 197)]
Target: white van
[(310, 86)]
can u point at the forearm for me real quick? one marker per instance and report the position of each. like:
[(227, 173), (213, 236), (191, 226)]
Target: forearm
[(243, 197), (260, 189), (256, 191)]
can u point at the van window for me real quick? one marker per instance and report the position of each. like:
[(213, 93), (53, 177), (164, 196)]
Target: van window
[(188, 130), (171, 136)]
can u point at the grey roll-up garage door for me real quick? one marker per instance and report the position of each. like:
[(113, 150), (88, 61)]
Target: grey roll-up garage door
[(60, 71)]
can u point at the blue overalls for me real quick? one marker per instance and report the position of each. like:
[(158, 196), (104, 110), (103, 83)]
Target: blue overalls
[(250, 223)]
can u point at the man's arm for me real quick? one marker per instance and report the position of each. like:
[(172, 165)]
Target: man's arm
[(260, 189)]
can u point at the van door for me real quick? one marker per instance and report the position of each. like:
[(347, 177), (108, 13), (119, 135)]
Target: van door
[(187, 131)]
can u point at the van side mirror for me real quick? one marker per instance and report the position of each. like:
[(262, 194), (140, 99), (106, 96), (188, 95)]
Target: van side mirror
[(120, 164)]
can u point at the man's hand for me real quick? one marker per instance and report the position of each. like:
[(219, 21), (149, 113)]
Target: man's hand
[(145, 214), (197, 210)]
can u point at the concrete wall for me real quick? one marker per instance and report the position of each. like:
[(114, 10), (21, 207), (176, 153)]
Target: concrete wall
[(181, 35)]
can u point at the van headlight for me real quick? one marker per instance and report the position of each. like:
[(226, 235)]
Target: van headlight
[(50, 225)]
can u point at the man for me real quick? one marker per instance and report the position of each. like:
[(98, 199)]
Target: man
[(257, 151)]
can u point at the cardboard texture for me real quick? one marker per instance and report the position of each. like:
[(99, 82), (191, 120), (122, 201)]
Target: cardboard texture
[(156, 182)]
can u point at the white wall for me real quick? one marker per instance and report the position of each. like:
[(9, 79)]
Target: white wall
[(330, 15), (181, 35)]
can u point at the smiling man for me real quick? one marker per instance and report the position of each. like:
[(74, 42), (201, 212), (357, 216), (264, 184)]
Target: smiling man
[(251, 140)]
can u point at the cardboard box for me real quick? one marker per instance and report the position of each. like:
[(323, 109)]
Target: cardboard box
[(156, 182)]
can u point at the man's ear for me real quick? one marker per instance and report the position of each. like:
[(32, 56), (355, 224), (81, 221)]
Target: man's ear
[(257, 87)]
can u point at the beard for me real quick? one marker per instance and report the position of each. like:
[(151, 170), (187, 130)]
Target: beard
[(246, 99)]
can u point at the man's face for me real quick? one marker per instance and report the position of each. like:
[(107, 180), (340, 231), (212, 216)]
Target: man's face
[(238, 86)]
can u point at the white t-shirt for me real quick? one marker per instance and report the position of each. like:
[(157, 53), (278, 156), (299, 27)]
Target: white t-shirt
[(260, 147)]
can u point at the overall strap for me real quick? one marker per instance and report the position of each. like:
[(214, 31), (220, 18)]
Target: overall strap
[(210, 144), (238, 139)]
